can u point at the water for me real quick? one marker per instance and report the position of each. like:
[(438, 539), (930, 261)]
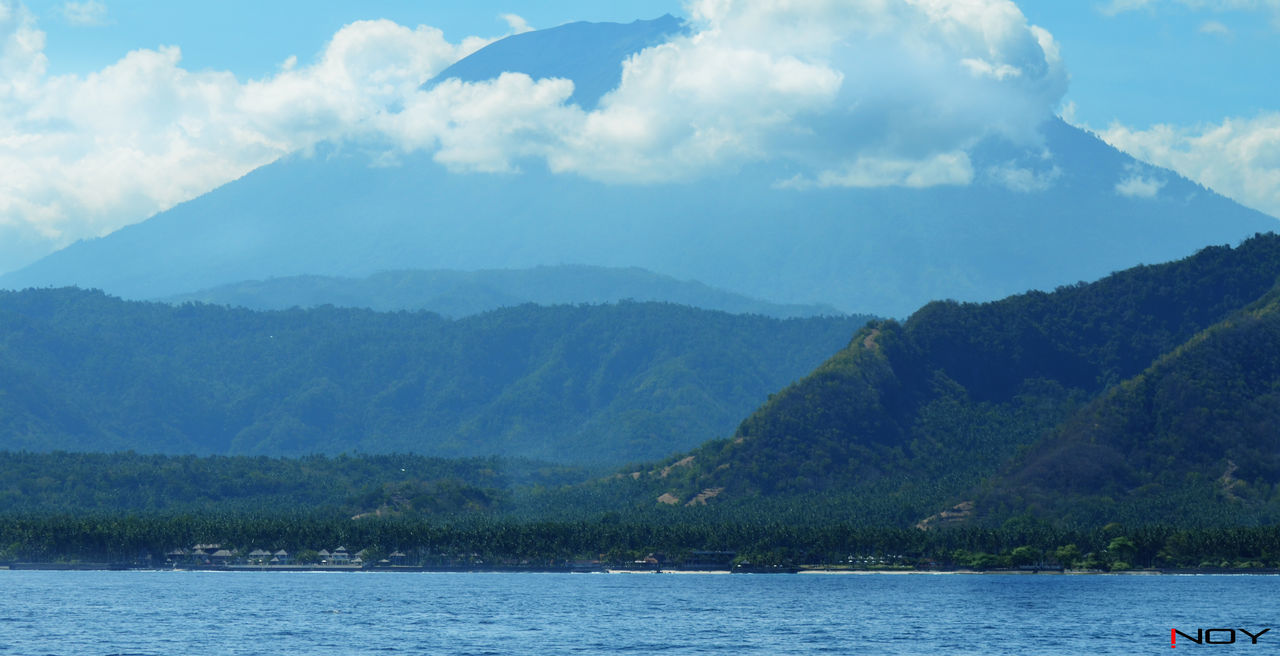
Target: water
[(247, 613)]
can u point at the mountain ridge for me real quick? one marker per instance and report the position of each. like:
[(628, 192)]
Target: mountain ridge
[(1068, 404), (454, 293), (82, 371)]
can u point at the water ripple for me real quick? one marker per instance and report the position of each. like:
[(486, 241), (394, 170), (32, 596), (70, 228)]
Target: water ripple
[(252, 613)]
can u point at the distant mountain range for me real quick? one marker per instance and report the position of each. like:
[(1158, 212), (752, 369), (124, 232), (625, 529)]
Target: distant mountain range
[(81, 371), (341, 210), (463, 293), (1147, 396)]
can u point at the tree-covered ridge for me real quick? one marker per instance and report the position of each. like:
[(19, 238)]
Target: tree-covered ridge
[(931, 407), (346, 485), (81, 371), (1200, 423)]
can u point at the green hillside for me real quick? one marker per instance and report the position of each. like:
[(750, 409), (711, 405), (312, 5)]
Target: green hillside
[(81, 371), (915, 417), (1194, 438)]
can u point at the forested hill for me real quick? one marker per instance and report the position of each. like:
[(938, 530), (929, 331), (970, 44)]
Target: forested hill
[(82, 371), (929, 408), (1200, 424)]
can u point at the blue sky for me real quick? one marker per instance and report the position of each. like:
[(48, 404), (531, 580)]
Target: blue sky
[(1165, 61), (186, 96)]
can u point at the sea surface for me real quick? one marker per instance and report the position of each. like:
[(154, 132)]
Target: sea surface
[(211, 613)]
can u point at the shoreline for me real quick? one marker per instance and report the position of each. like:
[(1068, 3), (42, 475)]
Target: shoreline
[(812, 571)]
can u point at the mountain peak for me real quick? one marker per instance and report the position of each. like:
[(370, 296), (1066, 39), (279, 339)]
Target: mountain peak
[(562, 52)]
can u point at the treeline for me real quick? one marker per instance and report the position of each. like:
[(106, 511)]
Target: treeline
[(131, 508), (522, 492), (145, 539), (590, 383)]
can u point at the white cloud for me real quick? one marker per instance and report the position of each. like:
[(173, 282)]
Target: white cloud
[(1136, 184), (1069, 111), (485, 126), (862, 93), (1239, 158), (22, 59), (87, 13), (868, 171), (1139, 187), (855, 92), (516, 24), (84, 155), (1024, 179)]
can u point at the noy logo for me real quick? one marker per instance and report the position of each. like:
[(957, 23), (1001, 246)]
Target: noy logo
[(1213, 636)]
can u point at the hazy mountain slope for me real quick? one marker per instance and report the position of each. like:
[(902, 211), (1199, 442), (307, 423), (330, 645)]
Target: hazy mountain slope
[(930, 407), (462, 293), (82, 371), (883, 251)]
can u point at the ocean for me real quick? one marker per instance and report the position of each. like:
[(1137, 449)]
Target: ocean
[(249, 613)]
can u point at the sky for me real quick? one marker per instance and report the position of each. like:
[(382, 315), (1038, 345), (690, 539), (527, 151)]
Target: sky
[(112, 110)]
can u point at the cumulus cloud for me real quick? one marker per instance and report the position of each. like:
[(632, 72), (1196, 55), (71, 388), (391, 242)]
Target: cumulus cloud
[(1239, 157), (865, 93), (853, 92), (485, 126), (84, 155)]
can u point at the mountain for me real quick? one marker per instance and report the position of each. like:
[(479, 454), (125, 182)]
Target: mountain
[(1152, 389), (1030, 220), (462, 293), (81, 371)]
